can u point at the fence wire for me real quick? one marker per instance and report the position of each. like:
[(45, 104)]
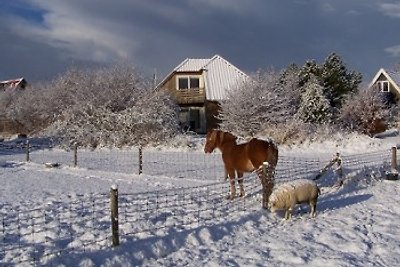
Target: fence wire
[(39, 235)]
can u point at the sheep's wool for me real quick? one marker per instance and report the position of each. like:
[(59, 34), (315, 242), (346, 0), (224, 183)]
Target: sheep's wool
[(281, 193)]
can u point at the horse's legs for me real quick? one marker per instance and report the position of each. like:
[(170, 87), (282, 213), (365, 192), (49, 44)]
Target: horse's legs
[(240, 181), (231, 174)]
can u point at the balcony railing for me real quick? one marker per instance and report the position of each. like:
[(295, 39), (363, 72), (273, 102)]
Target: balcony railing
[(190, 96)]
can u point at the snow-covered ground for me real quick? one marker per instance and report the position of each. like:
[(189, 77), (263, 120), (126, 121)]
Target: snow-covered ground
[(60, 216)]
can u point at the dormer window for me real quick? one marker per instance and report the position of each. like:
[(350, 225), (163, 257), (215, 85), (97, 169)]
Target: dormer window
[(384, 86), (188, 82)]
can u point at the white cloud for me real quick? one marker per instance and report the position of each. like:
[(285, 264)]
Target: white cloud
[(85, 36), (391, 9), (393, 50), (234, 6)]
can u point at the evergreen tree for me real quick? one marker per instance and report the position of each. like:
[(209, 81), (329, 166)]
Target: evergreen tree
[(314, 106), (337, 80), (333, 76)]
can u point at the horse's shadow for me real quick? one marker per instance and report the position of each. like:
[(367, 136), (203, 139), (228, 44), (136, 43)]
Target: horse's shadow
[(327, 204)]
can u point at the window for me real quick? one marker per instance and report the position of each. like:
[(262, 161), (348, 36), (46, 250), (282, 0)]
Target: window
[(183, 83), (384, 86), (188, 82)]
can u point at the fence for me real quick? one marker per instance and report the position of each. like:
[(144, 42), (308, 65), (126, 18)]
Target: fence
[(38, 236), (32, 235)]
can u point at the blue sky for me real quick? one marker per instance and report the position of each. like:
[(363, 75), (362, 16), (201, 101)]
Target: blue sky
[(41, 38)]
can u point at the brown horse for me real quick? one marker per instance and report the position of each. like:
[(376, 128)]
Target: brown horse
[(241, 158)]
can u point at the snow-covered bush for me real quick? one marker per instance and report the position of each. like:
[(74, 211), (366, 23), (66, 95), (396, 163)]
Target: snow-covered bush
[(258, 104), (109, 107), (364, 112), (151, 120)]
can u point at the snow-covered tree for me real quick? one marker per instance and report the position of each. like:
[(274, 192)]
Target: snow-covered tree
[(289, 82), (364, 111), (333, 75), (258, 104), (337, 80), (153, 119), (314, 106), (95, 107)]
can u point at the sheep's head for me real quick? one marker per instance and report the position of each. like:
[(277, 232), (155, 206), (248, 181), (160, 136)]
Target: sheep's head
[(272, 205)]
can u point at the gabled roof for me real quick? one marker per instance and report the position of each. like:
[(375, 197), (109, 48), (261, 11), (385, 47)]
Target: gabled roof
[(220, 76), (392, 76), (20, 82)]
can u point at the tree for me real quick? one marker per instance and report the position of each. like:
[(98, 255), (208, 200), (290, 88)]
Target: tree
[(289, 81), (333, 76), (364, 111), (111, 106), (259, 103), (314, 107), (337, 80)]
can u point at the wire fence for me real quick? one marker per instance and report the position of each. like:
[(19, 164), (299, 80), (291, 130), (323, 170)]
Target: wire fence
[(38, 236)]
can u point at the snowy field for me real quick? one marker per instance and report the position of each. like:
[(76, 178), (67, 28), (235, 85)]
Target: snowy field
[(175, 212)]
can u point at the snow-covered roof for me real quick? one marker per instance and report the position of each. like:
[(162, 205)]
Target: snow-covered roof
[(13, 83), (392, 76), (220, 76)]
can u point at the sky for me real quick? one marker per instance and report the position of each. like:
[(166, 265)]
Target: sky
[(42, 38)]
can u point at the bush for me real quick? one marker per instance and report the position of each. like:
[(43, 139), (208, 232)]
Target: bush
[(364, 112)]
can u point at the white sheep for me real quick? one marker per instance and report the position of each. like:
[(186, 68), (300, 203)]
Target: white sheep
[(287, 195)]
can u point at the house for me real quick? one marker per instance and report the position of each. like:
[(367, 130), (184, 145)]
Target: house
[(197, 86), (19, 83), (387, 82)]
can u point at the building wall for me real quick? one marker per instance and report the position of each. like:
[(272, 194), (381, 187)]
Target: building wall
[(191, 101), (392, 88)]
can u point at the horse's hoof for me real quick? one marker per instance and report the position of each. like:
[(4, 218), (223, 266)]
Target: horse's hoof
[(230, 197), (241, 195)]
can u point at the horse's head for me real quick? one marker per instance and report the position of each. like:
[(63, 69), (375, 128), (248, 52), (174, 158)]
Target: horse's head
[(211, 141), (215, 138)]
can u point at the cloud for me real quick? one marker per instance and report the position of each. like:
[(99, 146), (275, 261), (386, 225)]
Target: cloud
[(158, 34), (85, 37), (394, 51), (391, 9)]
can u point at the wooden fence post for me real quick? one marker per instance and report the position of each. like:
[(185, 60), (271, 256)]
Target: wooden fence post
[(394, 159), (140, 160), (75, 155), (114, 215), (27, 151), (267, 183)]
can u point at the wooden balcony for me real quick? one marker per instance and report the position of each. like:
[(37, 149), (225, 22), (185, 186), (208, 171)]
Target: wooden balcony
[(189, 96)]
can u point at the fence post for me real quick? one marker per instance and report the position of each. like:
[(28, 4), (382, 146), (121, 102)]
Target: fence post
[(267, 183), (75, 155), (394, 158), (27, 151), (140, 160), (114, 215)]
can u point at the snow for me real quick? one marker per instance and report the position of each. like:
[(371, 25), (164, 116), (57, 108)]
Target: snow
[(64, 210)]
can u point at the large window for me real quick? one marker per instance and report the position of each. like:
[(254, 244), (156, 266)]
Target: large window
[(188, 82), (384, 86)]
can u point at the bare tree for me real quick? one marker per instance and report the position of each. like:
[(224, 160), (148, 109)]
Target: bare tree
[(260, 103), (364, 112)]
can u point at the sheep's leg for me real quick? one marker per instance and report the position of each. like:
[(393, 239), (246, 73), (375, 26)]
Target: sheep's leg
[(313, 209), (240, 181), (288, 214)]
